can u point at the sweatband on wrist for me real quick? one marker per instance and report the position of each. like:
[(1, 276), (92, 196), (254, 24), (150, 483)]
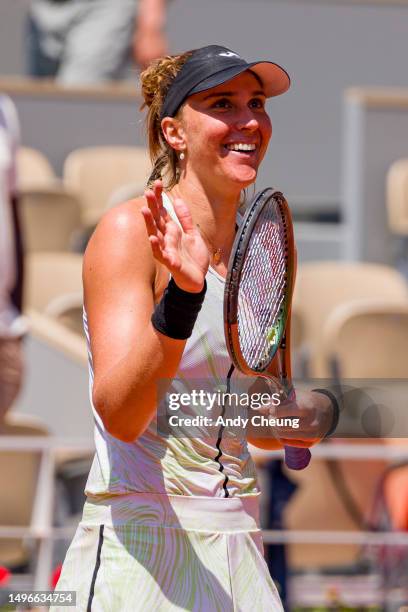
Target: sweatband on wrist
[(176, 313), (336, 410)]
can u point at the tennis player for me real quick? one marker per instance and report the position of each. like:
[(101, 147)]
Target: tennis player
[(171, 523)]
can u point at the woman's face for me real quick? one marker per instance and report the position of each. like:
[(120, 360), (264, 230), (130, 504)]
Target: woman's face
[(226, 132)]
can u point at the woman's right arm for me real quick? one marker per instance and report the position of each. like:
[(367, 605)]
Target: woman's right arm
[(129, 355), (125, 266)]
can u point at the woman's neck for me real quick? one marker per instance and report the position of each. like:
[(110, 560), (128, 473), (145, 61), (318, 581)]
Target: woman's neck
[(213, 213)]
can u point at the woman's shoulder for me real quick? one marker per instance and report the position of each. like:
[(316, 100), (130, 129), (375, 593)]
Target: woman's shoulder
[(124, 221), (120, 238), (124, 217)]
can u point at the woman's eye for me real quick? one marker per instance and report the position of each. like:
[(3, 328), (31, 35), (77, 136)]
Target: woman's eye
[(257, 103), (222, 103)]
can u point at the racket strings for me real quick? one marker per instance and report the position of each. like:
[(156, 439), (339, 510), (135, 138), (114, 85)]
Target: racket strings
[(262, 289)]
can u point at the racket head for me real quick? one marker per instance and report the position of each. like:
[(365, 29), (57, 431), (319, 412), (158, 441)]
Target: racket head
[(281, 368), (259, 283)]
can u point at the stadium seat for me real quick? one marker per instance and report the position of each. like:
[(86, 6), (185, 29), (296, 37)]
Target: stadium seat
[(19, 471), (50, 276), (322, 286), (33, 169), (95, 173), (49, 217), (368, 339), (53, 288)]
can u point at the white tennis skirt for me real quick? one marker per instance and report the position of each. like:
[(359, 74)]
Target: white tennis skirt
[(153, 552)]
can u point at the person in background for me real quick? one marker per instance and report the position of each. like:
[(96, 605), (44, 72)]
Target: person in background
[(12, 325), (80, 42)]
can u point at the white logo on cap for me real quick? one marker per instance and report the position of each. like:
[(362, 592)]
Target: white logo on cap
[(228, 54)]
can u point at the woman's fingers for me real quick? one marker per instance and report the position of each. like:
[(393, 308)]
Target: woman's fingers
[(184, 216), (181, 249), (299, 443), (152, 203), (152, 229), (155, 204), (165, 256), (161, 216), (163, 247), (302, 420), (158, 190), (157, 249), (173, 235), (149, 221)]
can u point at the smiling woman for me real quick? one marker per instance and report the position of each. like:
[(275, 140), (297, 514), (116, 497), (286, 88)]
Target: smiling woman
[(235, 127), (178, 515)]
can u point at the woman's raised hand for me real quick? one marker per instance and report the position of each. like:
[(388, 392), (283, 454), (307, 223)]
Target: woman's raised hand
[(181, 249)]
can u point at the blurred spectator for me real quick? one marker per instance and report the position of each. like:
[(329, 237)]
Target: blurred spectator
[(11, 262), (89, 41)]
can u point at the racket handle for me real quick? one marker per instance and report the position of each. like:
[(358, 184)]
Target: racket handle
[(297, 458)]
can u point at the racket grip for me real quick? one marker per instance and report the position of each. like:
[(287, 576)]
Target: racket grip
[(297, 458)]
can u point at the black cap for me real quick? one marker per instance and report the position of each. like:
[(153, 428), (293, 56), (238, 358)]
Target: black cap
[(213, 65)]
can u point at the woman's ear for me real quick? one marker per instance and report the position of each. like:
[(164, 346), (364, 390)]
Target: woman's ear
[(173, 132)]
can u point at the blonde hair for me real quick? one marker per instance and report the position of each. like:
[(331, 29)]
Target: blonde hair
[(156, 81)]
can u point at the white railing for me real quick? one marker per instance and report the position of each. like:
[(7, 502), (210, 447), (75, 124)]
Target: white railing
[(42, 531)]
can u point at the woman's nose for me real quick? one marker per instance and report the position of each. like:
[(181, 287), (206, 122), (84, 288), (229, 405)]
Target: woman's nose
[(247, 121)]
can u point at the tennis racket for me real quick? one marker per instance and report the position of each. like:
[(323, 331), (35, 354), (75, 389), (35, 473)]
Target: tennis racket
[(258, 297)]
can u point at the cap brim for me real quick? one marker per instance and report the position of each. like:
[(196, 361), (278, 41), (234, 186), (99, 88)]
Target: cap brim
[(274, 78)]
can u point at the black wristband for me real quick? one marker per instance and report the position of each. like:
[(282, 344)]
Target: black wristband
[(336, 410), (176, 313)]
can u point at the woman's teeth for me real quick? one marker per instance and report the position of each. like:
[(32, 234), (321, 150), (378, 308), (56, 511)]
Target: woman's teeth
[(241, 147)]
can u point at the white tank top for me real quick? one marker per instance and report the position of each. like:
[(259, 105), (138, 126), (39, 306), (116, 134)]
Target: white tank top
[(220, 467)]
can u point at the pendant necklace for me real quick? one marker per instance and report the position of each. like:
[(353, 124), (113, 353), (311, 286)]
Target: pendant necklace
[(216, 254)]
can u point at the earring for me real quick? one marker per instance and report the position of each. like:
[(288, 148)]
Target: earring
[(182, 156)]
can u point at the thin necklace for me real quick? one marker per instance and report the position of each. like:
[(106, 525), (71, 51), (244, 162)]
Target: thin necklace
[(216, 253)]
